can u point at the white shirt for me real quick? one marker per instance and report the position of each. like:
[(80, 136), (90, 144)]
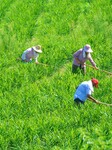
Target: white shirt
[(29, 54)]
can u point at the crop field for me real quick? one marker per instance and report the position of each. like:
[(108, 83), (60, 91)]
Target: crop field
[(37, 110)]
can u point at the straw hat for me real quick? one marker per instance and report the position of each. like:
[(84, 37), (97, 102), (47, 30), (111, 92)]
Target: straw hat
[(87, 48), (37, 49)]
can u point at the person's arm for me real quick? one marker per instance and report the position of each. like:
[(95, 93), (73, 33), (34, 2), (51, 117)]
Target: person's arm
[(92, 99), (97, 102), (78, 61), (92, 62), (36, 59)]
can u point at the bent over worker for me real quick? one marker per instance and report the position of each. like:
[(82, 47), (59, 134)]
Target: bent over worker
[(31, 53), (84, 91), (80, 58)]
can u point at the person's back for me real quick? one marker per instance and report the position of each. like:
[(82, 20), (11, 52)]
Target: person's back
[(82, 91), (30, 53)]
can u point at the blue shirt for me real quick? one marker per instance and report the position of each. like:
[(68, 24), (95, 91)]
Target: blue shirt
[(83, 90)]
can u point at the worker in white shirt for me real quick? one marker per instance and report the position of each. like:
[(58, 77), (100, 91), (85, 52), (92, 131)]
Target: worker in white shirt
[(31, 53)]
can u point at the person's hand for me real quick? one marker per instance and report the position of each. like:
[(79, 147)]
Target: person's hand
[(96, 68), (78, 61), (37, 63), (98, 102)]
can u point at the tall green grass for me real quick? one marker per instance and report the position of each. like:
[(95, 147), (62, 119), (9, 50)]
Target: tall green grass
[(36, 101)]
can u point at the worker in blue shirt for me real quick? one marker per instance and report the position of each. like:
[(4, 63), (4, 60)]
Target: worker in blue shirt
[(84, 91)]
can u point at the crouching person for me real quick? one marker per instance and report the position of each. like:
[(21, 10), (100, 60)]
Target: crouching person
[(31, 53)]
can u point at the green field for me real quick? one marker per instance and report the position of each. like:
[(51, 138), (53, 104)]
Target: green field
[(37, 110)]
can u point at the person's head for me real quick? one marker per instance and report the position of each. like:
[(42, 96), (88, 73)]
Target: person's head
[(37, 49), (95, 82), (87, 49)]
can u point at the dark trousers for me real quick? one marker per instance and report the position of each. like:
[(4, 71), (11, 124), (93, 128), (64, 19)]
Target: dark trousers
[(75, 69), (78, 101)]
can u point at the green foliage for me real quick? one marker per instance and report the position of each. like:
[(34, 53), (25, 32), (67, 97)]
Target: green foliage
[(37, 109)]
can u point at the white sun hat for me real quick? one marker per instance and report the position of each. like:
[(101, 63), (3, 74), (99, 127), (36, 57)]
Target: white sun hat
[(87, 48), (37, 49)]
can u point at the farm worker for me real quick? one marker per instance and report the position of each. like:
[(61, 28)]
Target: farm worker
[(31, 53), (80, 58), (84, 91)]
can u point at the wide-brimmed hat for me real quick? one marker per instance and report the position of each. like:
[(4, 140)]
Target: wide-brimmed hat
[(87, 48), (37, 49), (95, 82)]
